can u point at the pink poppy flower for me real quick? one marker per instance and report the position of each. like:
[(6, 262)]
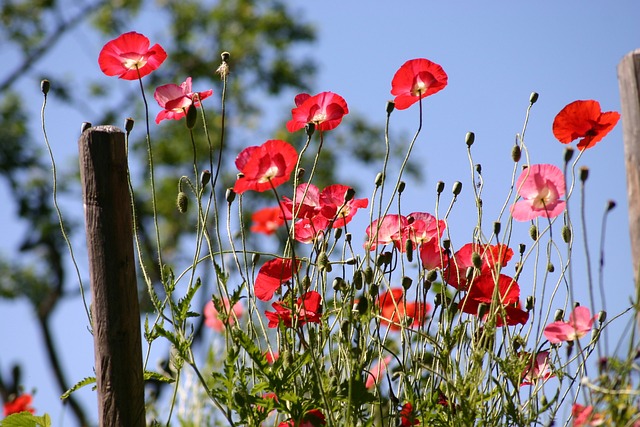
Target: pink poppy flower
[(265, 166), (307, 309), (579, 324), (176, 100), (334, 208), (373, 376), (386, 230), (584, 119), (217, 321), (19, 404), (129, 56), (272, 275), (540, 187), (584, 416), (308, 230), (537, 368), (416, 79), (325, 110), (307, 202)]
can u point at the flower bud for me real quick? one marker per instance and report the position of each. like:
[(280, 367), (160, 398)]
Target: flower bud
[(362, 305), (84, 126), (440, 187), (521, 248), (457, 188), (483, 309), (533, 232), (469, 139), (45, 85), (350, 261), (230, 196), (347, 237), (390, 107), (205, 177), (479, 168), (432, 275), (566, 233), (602, 316), (496, 227), (379, 179), (401, 186), (516, 153), (406, 282), (338, 284), (568, 154), (533, 98), (559, 314), (310, 128), (468, 274), (427, 285), (225, 56), (584, 173), (192, 116), (409, 250), (530, 303), (610, 205), (128, 124), (182, 202), (368, 275), (323, 262), (358, 279), (337, 233), (550, 268), (446, 244), (306, 283), (348, 195), (476, 260), (255, 258)]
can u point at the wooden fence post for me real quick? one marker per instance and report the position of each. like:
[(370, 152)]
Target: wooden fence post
[(115, 310)]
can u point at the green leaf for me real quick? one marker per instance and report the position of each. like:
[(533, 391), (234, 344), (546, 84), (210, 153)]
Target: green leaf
[(26, 419), (149, 375), (78, 385)]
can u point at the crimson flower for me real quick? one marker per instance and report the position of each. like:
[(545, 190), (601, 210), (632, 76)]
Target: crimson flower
[(416, 79), (490, 256), (265, 166), (394, 309), (325, 110), (308, 308), (313, 418), (584, 416), (129, 56), (19, 404), (537, 368), (217, 321), (579, 324), (267, 220), (373, 376), (481, 292), (334, 207), (408, 416), (272, 275), (176, 100), (433, 255), (584, 119), (541, 187)]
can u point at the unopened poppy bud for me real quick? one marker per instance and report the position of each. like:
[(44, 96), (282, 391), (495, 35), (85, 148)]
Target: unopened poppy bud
[(409, 250), (595, 333), (469, 139), (446, 244), (379, 179), (45, 85), (225, 56), (205, 177), (530, 303), (440, 187), (347, 237), (522, 247), (390, 107), (192, 115), (584, 173), (358, 279), (476, 260), (310, 128), (406, 282), (437, 300), (457, 188), (610, 205), (401, 187), (373, 290), (383, 259), (568, 154), (432, 275), (255, 258), (300, 174), (182, 202), (368, 275), (559, 314), (362, 305), (550, 268), (427, 285), (338, 284), (230, 196), (533, 232), (496, 227), (468, 274), (516, 153), (323, 262), (566, 233), (337, 233), (350, 261), (482, 310), (84, 126), (533, 98), (348, 195), (128, 124), (602, 316), (543, 401), (479, 168)]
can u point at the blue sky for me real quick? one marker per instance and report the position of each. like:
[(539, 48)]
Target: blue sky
[(495, 53)]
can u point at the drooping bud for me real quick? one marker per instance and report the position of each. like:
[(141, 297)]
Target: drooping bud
[(468, 274), (182, 202), (602, 316), (338, 284), (550, 268), (533, 98), (401, 187), (559, 314), (496, 227), (337, 233), (192, 116), (568, 154), (610, 205), (476, 260), (446, 244), (255, 258), (323, 262), (530, 303), (521, 248), (349, 194), (516, 153), (432, 275), (469, 139), (300, 174), (533, 232), (379, 179), (347, 237), (479, 168)]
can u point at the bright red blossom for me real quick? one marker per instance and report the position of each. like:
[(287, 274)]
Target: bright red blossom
[(325, 110), (584, 416), (417, 79), (490, 255), (265, 166), (267, 220), (313, 418), (217, 321), (272, 275), (407, 416), (19, 404), (394, 309), (307, 309), (129, 56), (584, 119), (176, 100), (540, 187)]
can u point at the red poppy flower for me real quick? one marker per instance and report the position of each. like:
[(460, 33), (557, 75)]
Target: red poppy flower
[(333, 206), (216, 321), (129, 56), (407, 416), (584, 416), (394, 309), (307, 309), (416, 79), (176, 100), (433, 255), (267, 220), (584, 119), (325, 110), (490, 256), (307, 202), (313, 418), (265, 166), (272, 275), (19, 404), (308, 230), (481, 292)]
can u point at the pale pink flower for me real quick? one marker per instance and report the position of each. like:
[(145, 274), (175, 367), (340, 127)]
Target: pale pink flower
[(214, 320), (540, 187), (579, 324), (537, 368), (373, 376)]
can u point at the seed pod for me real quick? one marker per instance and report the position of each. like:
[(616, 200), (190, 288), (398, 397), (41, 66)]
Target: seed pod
[(568, 154), (45, 85), (522, 247), (584, 173), (406, 282), (496, 227)]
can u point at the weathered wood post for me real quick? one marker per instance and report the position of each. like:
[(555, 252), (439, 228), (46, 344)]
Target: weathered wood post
[(115, 311)]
